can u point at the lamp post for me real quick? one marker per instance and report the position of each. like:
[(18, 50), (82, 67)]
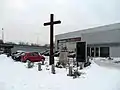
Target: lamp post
[(37, 38), (3, 34)]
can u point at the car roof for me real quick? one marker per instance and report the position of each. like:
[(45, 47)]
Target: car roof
[(31, 52), (20, 51)]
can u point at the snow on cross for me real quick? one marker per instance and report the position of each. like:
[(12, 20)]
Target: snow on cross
[(15, 76)]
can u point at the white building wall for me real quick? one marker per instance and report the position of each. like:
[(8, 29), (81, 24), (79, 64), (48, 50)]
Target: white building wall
[(111, 36)]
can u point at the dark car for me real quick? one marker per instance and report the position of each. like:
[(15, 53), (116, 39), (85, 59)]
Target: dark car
[(71, 54), (47, 53), (44, 52), (57, 53), (17, 56)]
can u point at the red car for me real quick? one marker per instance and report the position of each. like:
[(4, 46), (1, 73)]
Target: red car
[(32, 56)]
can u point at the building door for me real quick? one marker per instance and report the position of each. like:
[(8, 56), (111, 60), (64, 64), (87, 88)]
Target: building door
[(88, 51)]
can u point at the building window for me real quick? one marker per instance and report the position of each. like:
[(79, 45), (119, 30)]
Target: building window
[(97, 52), (92, 51), (88, 51), (104, 51)]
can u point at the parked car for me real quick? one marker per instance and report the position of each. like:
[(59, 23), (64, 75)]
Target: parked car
[(57, 53), (47, 53), (1, 51), (17, 56), (42, 53), (71, 54), (18, 51), (32, 56)]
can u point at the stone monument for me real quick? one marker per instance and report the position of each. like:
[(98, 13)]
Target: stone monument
[(63, 57)]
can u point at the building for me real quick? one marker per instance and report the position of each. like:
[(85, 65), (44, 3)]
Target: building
[(101, 41)]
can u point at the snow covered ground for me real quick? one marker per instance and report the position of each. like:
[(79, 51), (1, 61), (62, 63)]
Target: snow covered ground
[(115, 63), (15, 76)]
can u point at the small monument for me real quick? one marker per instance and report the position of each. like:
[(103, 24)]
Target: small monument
[(63, 58)]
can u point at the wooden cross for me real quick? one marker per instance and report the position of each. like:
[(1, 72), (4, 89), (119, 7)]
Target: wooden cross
[(51, 23)]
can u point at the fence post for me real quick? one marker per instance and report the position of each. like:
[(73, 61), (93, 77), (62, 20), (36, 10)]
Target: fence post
[(39, 67), (42, 62), (70, 71), (29, 64), (53, 69)]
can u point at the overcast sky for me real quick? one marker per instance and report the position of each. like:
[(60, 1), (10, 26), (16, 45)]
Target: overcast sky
[(23, 20)]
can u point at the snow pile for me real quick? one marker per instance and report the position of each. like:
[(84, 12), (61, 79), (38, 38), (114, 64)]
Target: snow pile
[(15, 76), (103, 78)]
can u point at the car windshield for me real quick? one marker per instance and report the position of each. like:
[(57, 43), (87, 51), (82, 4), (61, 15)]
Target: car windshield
[(35, 53), (22, 54)]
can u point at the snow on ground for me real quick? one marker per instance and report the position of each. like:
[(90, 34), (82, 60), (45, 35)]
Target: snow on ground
[(115, 63), (15, 76)]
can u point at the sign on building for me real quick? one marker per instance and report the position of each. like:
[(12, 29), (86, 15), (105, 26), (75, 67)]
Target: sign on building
[(69, 43)]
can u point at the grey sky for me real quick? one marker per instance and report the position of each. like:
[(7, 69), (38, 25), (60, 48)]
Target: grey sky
[(23, 20)]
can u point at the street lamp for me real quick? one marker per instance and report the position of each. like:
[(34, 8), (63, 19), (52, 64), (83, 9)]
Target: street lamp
[(37, 37), (3, 34)]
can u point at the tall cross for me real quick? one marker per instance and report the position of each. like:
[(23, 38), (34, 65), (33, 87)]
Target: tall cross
[(51, 23)]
